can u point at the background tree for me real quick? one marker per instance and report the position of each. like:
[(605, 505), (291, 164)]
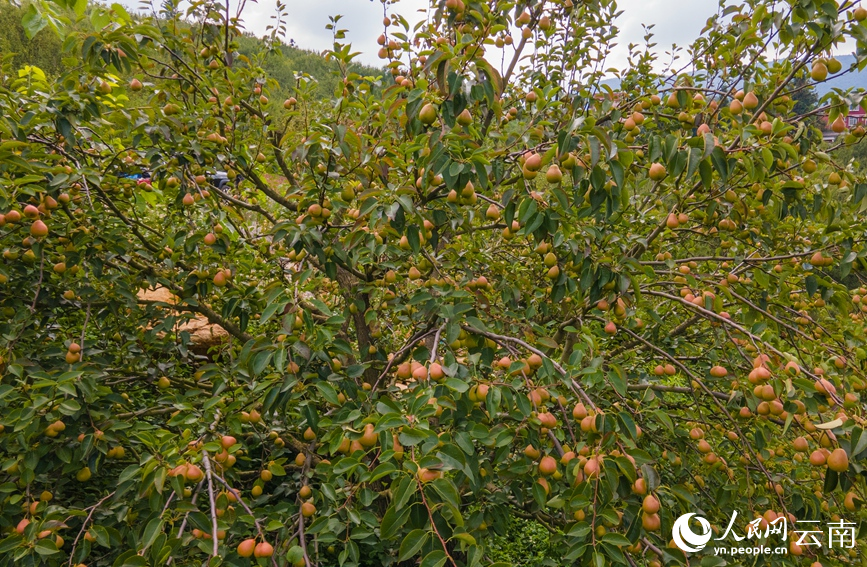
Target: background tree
[(452, 296)]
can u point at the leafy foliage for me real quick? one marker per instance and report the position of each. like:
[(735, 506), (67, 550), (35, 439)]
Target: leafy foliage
[(448, 297)]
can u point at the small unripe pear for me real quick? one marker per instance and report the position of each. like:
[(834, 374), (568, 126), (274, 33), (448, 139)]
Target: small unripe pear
[(428, 114), (819, 72), (554, 175)]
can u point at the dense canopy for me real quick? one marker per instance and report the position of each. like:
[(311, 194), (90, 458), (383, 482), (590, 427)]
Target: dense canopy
[(481, 285)]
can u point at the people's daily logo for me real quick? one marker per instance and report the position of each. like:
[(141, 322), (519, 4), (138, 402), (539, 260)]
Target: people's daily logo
[(688, 540), (767, 534)]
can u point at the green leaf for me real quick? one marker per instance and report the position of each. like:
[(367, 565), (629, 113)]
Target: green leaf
[(46, 546), (436, 558), (393, 521), (411, 544), (151, 531), (33, 22)]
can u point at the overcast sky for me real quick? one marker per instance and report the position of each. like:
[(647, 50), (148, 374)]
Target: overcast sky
[(677, 21)]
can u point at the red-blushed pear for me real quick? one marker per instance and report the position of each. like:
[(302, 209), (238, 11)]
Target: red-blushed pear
[(135, 85), (650, 505), (838, 460), (368, 438), (639, 487), (651, 522), (535, 361), (493, 212), (750, 101), (38, 229), (591, 468), (420, 373), (404, 371), (579, 411), (263, 549), (531, 452), (817, 458), (246, 547), (436, 371), (427, 475), (718, 372), (227, 441), (193, 473), (547, 466), (533, 162), (610, 328), (656, 172), (554, 175)]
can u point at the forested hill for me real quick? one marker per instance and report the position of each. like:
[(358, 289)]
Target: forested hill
[(282, 64)]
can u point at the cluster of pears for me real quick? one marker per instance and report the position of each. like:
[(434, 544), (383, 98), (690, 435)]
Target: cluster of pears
[(467, 195), (415, 370), (73, 353)]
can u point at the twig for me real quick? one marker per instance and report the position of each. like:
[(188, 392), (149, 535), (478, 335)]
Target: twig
[(84, 526), (433, 350), (207, 462), (187, 515), (501, 338), (247, 509)]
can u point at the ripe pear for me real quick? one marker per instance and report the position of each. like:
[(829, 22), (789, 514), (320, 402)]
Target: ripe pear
[(554, 175), (263, 549), (838, 460), (657, 172), (533, 162), (38, 229), (650, 505), (547, 466), (246, 547)]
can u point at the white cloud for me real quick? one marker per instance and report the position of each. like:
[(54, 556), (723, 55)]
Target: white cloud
[(676, 21)]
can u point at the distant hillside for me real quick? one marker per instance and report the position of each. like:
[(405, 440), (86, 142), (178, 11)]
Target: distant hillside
[(285, 61), (44, 51)]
